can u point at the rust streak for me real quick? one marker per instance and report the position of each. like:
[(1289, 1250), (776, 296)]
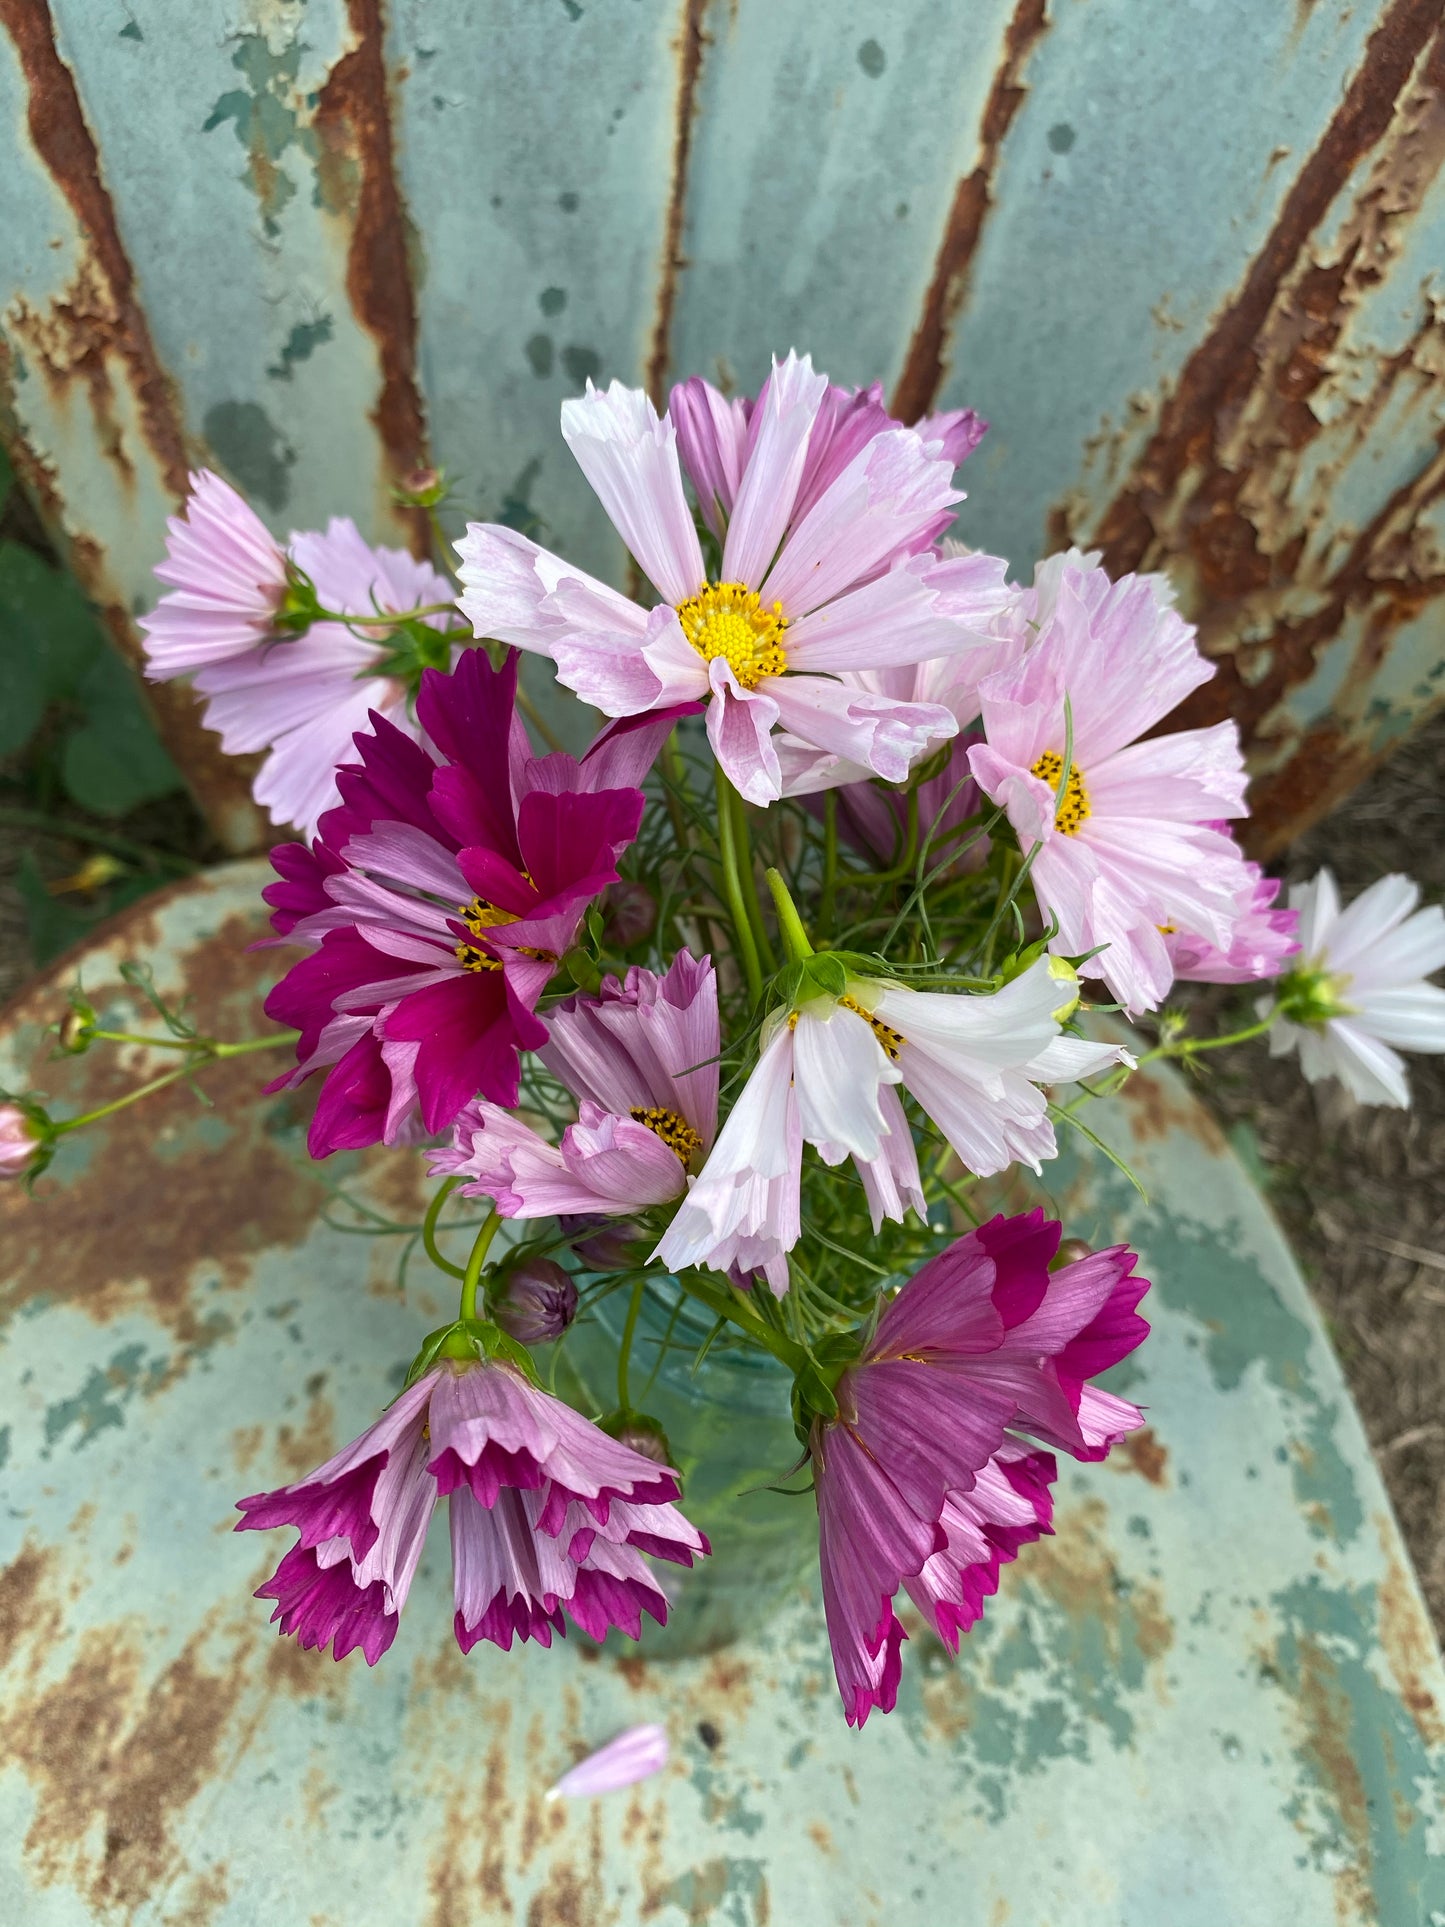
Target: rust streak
[(64, 142), (1187, 424), (353, 120), (925, 365), (689, 44)]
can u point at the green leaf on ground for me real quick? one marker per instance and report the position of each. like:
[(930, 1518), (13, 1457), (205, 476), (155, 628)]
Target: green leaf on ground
[(114, 760)]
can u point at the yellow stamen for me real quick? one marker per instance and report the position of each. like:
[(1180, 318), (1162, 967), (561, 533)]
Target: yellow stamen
[(891, 1040), (479, 915), (675, 1132), (1073, 807), (728, 619)]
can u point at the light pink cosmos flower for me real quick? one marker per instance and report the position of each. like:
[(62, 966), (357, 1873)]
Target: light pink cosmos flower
[(919, 1481), (827, 1076), (302, 697), (1262, 937), (227, 578), (548, 1516), (849, 584), (1130, 847), (1358, 995), (642, 1060)]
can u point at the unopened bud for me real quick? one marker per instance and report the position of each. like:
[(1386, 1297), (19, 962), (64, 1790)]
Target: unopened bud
[(76, 1028), (535, 1301), (1070, 1251), (22, 1140), (605, 1244), (643, 1434), (421, 488), (629, 914)]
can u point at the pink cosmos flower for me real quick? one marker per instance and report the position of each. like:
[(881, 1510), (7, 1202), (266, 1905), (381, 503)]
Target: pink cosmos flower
[(19, 1141), (227, 578), (642, 1060), (548, 1516), (919, 1481), (1358, 995), (438, 899), (850, 583), (299, 696), (827, 1076), (1262, 935), (304, 698), (1129, 847)]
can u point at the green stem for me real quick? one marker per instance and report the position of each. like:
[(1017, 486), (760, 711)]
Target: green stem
[(102, 839), (120, 1103), (725, 1302), (624, 1354), (743, 844), (471, 1277), (200, 1051), (1190, 1046), (383, 618), (429, 1229), (733, 890), (796, 947)]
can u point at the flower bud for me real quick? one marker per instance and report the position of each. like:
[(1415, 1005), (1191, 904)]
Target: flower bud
[(629, 914), (75, 1028), (605, 1244), (21, 1141), (535, 1301), (645, 1436), (421, 488), (1070, 1251)]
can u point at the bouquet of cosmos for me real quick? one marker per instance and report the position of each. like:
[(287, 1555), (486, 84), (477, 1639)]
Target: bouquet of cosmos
[(753, 1003)]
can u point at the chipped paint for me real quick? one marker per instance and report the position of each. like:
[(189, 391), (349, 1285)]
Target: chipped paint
[(158, 1741)]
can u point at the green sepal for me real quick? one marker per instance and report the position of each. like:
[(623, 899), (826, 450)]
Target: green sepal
[(492, 1342), (431, 1351), (300, 606), (76, 1028)]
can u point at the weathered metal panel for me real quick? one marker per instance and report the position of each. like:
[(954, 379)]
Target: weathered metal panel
[(1212, 1697), (1186, 261), (537, 158)]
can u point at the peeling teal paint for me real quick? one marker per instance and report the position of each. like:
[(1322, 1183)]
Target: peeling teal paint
[(264, 118), (99, 1404), (252, 448), (1363, 1756), (302, 342)]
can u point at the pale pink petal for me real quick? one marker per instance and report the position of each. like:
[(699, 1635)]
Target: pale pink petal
[(632, 1756), (629, 456), (778, 438)]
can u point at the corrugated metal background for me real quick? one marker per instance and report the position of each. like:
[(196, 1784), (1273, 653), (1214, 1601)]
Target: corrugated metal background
[(1186, 257)]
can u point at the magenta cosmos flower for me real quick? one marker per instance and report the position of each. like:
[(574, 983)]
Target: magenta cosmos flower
[(438, 900), (920, 1481), (548, 1516), (1262, 937), (826, 567), (641, 1058), (1130, 847), (300, 696)]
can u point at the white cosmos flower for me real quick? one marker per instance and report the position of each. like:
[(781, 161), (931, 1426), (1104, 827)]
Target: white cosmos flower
[(1357, 995), (828, 1075)]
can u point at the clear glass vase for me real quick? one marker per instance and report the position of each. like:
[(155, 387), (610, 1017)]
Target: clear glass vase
[(731, 1431)]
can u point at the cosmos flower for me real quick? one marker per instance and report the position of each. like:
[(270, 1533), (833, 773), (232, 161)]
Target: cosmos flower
[(918, 1477), (1263, 936), (454, 875), (1358, 995), (849, 584), (298, 690), (642, 1060), (549, 1516), (21, 1141), (827, 1075), (1130, 847)]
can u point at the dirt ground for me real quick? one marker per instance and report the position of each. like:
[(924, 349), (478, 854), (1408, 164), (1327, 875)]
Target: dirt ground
[(1361, 1193)]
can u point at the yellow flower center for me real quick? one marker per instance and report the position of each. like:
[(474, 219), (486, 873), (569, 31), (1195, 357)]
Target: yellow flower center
[(676, 1134), (891, 1040), (727, 619), (479, 915), (1073, 806)]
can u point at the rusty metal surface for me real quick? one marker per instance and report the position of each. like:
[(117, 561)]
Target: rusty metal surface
[(1187, 263), (1212, 1697)]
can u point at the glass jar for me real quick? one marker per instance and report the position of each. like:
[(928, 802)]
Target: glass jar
[(731, 1431)]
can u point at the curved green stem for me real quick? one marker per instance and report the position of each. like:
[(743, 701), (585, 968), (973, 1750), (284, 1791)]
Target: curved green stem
[(725, 1302), (429, 1229), (471, 1277), (624, 1351), (733, 889), (120, 1103), (754, 903), (383, 618), (199, 1052), (1190, 1046), (796, 947)]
